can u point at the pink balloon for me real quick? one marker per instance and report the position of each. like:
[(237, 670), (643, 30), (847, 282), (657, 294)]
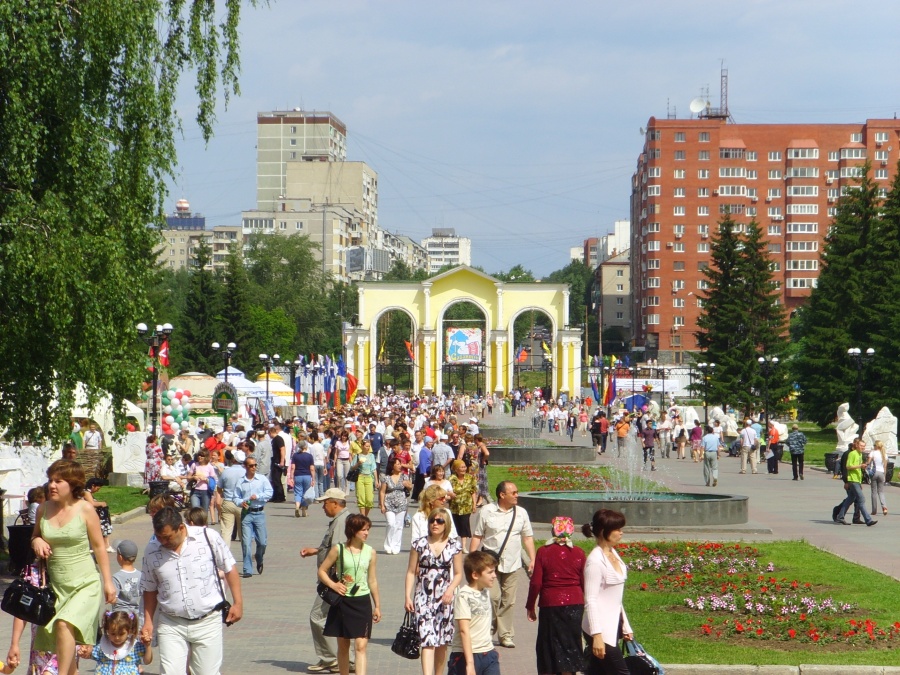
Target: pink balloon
[(187, 392), (179, 394)]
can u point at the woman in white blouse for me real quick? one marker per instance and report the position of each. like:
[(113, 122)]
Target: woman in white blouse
[(604, 585)]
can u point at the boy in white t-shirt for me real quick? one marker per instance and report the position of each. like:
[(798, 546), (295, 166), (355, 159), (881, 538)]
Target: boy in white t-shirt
[(472, 651)]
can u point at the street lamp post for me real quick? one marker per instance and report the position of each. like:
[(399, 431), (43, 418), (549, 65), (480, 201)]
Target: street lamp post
[(767, 365), (294, 365), (227, 351), (706, 369), (154, 339), (860, 358), (316, 369), (268, 362), (662, 372)]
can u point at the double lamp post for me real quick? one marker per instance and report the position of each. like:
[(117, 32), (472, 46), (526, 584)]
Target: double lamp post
[(154, 340)]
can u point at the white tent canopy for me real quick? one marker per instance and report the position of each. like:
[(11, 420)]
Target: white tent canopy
[(102, 412)]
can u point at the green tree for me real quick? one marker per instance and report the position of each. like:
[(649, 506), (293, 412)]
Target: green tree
[(578, 276), (201, 322), (857, 264), (236, 324), (516, 274), (400, 271), (87, 119), (741, 319)]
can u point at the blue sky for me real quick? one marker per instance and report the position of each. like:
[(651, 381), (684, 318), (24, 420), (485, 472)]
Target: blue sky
[(518, 123)]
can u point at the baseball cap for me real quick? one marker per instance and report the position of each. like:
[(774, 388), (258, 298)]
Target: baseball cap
[(332, 493), (127, 549), (473, 419), (240, 456)]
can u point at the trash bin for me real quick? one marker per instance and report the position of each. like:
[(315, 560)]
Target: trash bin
[(889, 472), (157, 487), (20, 551), (831, 461)]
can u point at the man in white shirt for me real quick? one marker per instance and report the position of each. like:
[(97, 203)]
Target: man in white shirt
[(179, 579), (93, 438), (749, 445), (490, 532)]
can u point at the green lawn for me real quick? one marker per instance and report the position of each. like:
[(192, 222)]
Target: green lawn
[(121, 499), (678, 638)]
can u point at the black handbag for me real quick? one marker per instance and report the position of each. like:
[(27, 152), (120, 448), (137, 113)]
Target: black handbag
[(406, 644), (327, 593), (34, 604), (353, 473), (639, 662)]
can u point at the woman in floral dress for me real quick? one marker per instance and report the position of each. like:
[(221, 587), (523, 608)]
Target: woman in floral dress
[(484, 492), (464, 486), (434, 573), (154, 463)]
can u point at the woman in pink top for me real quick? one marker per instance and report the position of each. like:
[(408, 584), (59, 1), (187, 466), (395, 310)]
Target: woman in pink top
[(583, 422), (604, 586)]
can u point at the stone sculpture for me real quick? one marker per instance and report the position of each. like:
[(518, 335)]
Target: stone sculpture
[(846, 427), (883, 428)]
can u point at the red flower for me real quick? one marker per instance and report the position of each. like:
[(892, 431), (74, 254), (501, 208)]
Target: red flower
[(759, 631), (739, 627), (792, 633)]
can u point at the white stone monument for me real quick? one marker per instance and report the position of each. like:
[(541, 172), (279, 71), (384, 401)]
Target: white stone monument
[(846, 428), (883, 428)]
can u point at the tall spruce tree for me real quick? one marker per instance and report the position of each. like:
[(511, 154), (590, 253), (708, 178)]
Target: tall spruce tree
[(201, 323), (741, 319), (236, 321), (841, 310)]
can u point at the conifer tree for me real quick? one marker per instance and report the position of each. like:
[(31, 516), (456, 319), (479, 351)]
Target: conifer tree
[(201, 323), (236, 321)]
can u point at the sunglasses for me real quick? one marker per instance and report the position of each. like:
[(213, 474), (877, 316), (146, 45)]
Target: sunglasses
[(439, 521)]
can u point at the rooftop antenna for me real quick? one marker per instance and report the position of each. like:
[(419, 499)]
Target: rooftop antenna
[(670, 111), (722, 112)]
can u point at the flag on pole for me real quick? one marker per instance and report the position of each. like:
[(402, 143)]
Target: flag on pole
[(381, 352), (164, 354), (545, 348), (351, 387), (409, 350), (522, 356), (595, 389)]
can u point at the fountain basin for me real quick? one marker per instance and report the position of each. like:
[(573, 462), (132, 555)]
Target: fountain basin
[(654, 509)]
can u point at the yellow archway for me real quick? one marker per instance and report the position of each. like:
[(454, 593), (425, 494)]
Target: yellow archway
[(426, 302)]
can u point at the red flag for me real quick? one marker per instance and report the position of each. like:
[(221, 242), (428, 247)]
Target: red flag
[(351, 387), (164, 354), (523, 355), (409, 350)]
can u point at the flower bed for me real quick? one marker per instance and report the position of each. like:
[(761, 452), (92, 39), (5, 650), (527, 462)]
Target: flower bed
[(734, 594), (551, 477)]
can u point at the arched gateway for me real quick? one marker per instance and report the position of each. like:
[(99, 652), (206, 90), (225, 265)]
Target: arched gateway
[(426, 303)]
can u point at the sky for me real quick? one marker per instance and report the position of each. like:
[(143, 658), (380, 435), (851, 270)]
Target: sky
[(518, 123)]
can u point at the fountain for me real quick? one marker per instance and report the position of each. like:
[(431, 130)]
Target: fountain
[(633, 495)]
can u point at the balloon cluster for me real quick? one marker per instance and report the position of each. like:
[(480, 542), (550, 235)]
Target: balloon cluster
[(176, 407)]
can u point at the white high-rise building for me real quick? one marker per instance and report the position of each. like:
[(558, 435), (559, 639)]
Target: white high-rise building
[(445, 248)]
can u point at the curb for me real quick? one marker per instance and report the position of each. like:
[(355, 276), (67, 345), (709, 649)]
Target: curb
[(697, 529), (802, 669), (128, 515)]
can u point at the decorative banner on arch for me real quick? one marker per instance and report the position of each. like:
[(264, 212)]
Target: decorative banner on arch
[(463, 345)]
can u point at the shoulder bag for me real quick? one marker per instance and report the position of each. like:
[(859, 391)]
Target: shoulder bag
[(353, 473), (406, 644), (224, 606), (497, 554), (34, 604), (328, 594), (639, 662)]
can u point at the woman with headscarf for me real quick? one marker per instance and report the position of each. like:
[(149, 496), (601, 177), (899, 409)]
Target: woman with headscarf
[(556, 585)]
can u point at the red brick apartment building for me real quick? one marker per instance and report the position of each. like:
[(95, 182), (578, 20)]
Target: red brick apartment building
[(690, 171)]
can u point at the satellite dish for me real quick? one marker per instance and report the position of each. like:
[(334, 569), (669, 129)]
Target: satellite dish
[(641, 131), (697, 105)]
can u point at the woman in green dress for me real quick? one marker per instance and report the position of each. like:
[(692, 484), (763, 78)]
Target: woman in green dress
[(66, 530)]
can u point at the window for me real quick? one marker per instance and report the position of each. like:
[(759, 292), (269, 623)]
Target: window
[(652, 301), (654, 172), (679, 137), (802, 228), (775, 156), (851, 172), (703, 192), (773, 211), (653, 282), (803, 246), (620, 315), (620, 273), (775, 266), (654, 153), (881, 174), (733, 190), (856, 138), (881, 192), (774, 230), (881, 137), (679, 192), (751, 210), (293, 130), (702, 284), (853, 153), (282, 225), (293, 141), (803, 191), (299, 225), (803, 153), (831, 174), (833, 193), (702, 265), (678, 211), (752, 174), (774, 248), (702, 210), (620, 301), (171, 240), (654, 190), (751, 155), (654, 135), (653, 319), (802, 283), (678, 303), (802, 265), (751, 192), (774, 174), (679, 174), (703, 155), (678, 247), (881, 155), (802, 172), (620, 288), (803, 209), (833, 155), (653, 264), (652, 227), (704, 137), (732, 172), (773, 193), (731, 153), (679, 155), (678, 285), (703, 174), (678, 230), (702, 248), (832, 211), (652, 245), (703, 230)]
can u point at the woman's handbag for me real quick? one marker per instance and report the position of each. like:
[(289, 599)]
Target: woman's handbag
[(353, 473), (639, 662), (406, 644), (328, 594), (34, 604)]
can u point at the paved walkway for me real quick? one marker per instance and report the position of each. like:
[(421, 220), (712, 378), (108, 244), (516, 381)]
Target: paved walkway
[(274, 637)]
